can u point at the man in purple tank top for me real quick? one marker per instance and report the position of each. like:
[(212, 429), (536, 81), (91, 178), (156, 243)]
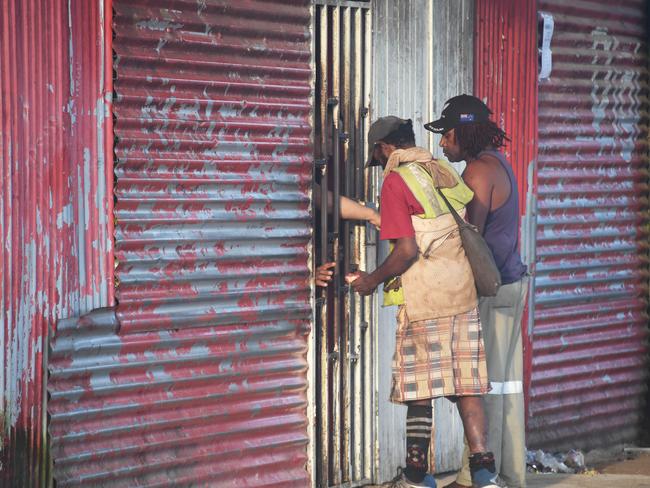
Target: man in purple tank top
[(469, 135)]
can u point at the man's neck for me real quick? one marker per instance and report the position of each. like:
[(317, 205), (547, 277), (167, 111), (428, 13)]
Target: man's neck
[(469, 159)]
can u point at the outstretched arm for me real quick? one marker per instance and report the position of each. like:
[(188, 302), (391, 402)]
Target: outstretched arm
[(355, 211), (349, 209)]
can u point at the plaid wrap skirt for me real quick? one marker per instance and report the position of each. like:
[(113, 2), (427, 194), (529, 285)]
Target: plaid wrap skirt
[(439, 357)]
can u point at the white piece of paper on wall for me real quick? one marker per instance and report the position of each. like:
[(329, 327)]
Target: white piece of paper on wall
[(545, 51)]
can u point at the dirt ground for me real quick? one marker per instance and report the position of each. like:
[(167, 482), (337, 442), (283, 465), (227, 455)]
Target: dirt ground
[(630, 462)]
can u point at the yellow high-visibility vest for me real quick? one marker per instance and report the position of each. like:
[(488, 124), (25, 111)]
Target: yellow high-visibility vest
[(419, 181)]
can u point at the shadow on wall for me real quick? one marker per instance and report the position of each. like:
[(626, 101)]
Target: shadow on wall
[(644, 436), (13, 458), (645, 430)]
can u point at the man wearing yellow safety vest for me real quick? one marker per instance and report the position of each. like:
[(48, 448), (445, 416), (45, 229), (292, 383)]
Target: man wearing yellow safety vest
[(439, 347)]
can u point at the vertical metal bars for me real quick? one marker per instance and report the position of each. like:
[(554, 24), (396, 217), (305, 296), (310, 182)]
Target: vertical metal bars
[(322, 123), (345, 435)]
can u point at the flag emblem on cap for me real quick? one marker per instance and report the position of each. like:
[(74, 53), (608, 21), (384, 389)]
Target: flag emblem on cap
[(467, 117)]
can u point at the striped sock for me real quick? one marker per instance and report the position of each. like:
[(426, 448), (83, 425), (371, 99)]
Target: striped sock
[(418, 436)]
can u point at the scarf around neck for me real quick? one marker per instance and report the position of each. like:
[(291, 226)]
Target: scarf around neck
[(441, 176)]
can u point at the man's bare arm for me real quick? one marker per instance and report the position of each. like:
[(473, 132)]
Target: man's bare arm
[(478, 177), (403, 256), (349, 209)]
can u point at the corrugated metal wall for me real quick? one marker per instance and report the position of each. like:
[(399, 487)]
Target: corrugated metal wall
[(56, 254), (422, 55), (590, 337), (505, 77), (201, 376)]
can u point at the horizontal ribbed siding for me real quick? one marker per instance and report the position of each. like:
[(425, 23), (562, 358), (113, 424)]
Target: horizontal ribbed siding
[(200, 376), (590, 337)]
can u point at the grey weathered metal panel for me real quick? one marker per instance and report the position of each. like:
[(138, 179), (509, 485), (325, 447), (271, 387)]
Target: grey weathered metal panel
[(422, 55), (451, 74), (453, 57), (199, 375)]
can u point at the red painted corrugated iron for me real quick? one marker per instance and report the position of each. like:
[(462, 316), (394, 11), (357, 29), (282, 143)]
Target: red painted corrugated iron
[(505, 77), (590, 337), (200, 375), (56, 248)]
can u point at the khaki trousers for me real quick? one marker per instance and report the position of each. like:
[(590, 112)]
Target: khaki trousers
[(504, 404)]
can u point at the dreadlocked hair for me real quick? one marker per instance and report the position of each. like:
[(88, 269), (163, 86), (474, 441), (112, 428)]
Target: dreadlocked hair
[(474, 138), (403, 137)]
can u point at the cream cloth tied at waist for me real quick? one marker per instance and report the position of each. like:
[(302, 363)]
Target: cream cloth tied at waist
[(440, 282), (432, 233)]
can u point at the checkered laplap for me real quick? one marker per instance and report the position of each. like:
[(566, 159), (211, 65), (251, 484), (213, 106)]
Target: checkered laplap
[(439, 357)]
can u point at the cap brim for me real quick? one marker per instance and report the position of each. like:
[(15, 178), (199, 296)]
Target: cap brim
[(371, 151), (437, 126), (372, 162)]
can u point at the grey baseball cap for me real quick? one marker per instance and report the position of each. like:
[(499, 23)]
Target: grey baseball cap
[(379, 129)]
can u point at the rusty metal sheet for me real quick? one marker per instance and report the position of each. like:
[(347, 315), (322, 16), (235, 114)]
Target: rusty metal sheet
[(199, 375), (590, 338), (56, 257)]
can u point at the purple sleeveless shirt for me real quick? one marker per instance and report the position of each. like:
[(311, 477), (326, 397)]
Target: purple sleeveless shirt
[(502, 229)]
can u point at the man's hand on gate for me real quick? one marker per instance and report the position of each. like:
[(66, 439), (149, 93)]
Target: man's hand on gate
[(361, 282)]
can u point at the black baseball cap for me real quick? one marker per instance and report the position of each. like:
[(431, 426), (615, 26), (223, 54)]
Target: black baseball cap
[(379, 129), (460, 110)]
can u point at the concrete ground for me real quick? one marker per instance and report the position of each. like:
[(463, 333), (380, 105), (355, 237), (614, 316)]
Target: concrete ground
[(608, 469), (596, 480)]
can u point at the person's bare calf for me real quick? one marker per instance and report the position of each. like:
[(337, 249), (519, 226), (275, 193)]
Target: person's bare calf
[(473, 417), (481, 461)]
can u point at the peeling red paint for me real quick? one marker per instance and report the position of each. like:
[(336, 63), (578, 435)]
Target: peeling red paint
[(214, 155), (56, 257), (505, 76)]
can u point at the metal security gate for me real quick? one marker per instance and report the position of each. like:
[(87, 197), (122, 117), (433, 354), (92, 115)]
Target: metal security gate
[(345, 396), (591, 288), (198, 376)]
